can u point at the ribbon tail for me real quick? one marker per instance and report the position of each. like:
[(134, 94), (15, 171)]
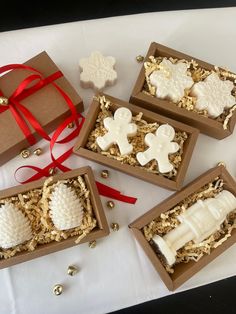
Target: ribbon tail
[(107, 191), (44, 172)]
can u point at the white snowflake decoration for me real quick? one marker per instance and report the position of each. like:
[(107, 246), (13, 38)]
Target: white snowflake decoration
[(171, 80), (214, 95), (65, 208), (15, 228), (97, 71)]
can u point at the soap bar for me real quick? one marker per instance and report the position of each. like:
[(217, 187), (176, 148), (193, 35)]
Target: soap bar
[(160, 146), (171, 80), (214, 95), (197, 223), (97, 71), (119, 129)]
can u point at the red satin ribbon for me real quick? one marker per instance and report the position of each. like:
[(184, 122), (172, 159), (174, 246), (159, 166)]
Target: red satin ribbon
[(23, 116), (103, 189)]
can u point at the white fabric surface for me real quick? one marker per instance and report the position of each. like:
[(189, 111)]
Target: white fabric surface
[(116, 273)]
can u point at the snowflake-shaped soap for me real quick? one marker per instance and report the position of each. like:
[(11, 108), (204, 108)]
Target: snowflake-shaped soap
[(214, 95), (171, 80), (97, 71)]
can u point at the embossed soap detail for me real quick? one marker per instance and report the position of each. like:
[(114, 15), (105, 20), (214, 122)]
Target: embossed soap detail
[(119, 129), (65, 208), (171, 80), (214, 95), (160, 146), (197, 223), (15, 228), (97, 71)]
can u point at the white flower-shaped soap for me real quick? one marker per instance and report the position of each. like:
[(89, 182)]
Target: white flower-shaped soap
[(160, 146), (15, 228), (119, 129), (171, 80), (65, 208), (214, 95), (97, 71)]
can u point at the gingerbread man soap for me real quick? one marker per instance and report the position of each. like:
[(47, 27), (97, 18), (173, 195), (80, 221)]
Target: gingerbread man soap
[(119, 129), (160, 146)]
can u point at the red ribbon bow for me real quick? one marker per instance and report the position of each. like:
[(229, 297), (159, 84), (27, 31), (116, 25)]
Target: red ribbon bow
[(23, 117)]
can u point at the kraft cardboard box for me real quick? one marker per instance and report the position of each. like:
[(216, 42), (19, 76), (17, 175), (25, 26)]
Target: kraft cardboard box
[(206, 125), (23, 253), (47, 105), (81, 147), (183, 271)]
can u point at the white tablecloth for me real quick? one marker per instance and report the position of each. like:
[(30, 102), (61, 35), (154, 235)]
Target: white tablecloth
[(116, 273)]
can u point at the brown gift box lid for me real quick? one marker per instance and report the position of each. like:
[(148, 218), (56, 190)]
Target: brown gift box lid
[(206, 125), (47, 105), (183, 271), (101, 230)]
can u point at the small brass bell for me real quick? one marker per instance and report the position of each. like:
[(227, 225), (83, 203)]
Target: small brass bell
[(3, 101), (110, 204), (25, 153), (104, 174), (140, 58), (115, 226), (72, 270), (37, 151), (92, 244), (52, 171), (58, 289), (221, 163), (71, 125)]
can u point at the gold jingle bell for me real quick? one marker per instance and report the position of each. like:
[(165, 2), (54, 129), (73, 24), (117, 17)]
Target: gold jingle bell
[(221, 163), (25, 153), (3, 101), (110, 204), (92, 244), (71, 125), (52, 171), (37, 151), (115, 226), (58, 289), (72, 270), (104, 174), (140, 58)]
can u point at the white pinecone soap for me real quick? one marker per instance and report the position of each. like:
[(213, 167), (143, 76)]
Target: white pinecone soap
[(65, 208), (15, 228)]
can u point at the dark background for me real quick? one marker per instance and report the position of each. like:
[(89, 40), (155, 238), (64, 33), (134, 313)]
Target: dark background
[(219, 297), (22, 13)]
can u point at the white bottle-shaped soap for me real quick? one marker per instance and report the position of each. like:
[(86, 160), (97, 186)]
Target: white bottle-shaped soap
[(197, 223)]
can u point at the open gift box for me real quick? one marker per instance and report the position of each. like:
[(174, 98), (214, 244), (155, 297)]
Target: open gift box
[(32, 199), (144, 95), (161, 219), (46, 103), (103, 106)]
